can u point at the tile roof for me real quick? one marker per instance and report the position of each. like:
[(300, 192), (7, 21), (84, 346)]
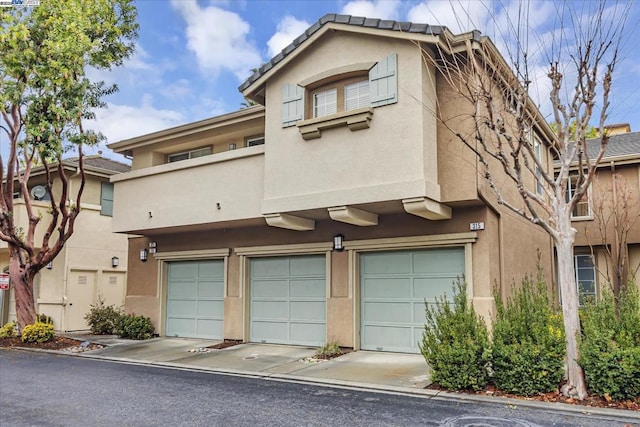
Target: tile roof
[(623, 144), (359, 21), (99, 162)]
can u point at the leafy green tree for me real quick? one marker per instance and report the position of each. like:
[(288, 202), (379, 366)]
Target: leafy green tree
[(589, 131), (45, 98)]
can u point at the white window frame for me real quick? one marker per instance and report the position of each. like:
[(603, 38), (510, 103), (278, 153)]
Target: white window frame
[(325, 103), (581, 293), (537, 151), (255, 140), (360, 98), (570, 192), (191, 154)]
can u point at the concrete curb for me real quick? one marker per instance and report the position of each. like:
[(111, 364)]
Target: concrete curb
[(611, 413)]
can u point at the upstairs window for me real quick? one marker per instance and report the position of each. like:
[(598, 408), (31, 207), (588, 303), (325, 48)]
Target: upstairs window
[(325, 103), (106, 199), (537, 151), (200, 152), (253, 141), (582, 209), (375, 87)]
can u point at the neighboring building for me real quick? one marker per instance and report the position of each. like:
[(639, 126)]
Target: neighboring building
[(242, 216), (594, 217), (84, 270)]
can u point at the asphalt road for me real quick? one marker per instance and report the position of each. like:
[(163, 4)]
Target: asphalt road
[(43, 389)]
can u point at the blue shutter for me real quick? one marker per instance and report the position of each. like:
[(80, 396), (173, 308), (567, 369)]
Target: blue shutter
[(383, 81), (106, 199), (292, 104)]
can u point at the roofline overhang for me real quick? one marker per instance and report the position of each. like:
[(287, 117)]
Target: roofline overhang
[(605, 162), (192, 128)]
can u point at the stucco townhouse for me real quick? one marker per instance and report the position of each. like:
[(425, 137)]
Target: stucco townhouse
[(331, 210), (92, 266), (607, 219)]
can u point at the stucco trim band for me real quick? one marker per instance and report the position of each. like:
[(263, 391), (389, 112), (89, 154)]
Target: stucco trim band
[(189, 255), (412, 241), (300, 249)]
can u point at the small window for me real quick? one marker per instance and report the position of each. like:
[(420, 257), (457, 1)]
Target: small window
[(200, 152), (106, 199), (356, 95), (325, 103), (258, 140), (537, 150), (585, 278), (582, 209)]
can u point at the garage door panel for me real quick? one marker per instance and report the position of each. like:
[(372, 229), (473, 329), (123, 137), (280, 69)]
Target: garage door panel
[(288, 300), (392, 337), (182, 308), (386, 263), (430, 287), (268, 267), (307, 266), (270, 288), (180, 327), (436, 261), (211, 270), (209, 326), (391, 312), (385, 288), (270, 331), (211, 289), (182, 270), (308, 333), (182, 290), (308, 288), (308, 310), (195, 299), (210, 308), (270, 310), (394, 287)]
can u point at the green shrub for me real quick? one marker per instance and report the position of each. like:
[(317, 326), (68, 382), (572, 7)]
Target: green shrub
[(455, 343), (102, 319), (329, 350), (8, 330), (528, 348), (134, 327), (38, 332), (43, 318), (610, 345)]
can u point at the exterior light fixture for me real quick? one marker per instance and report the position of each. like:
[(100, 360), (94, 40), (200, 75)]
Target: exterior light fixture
[(115, 261), (50, 266), (338, 242), (144, 254)]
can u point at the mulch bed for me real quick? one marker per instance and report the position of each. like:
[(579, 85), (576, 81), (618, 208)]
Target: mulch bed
[(57, 343), (225, 344), (554, 396)]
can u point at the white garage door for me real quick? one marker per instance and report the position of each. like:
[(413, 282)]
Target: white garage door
[(195, 299), (394, 287), (288, 300)]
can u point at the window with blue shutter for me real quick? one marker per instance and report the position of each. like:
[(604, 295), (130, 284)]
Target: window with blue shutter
[(383, 81), (106, 199), (292, 104)]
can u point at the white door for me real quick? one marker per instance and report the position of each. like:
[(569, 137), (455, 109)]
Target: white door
[(288, 300), (195, 299), (81, 293), (394, 287)]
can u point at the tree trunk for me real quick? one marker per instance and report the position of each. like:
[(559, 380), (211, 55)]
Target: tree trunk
[(22, 282), (575, 386)]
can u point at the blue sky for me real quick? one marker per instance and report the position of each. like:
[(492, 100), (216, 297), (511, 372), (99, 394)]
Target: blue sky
[(192, 55)]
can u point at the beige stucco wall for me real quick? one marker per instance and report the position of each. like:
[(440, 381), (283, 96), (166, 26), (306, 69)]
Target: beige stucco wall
[(344, 166), (220, 187)]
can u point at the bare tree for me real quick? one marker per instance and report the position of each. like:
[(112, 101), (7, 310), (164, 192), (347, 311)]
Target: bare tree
[(493, 99), (615, 212)]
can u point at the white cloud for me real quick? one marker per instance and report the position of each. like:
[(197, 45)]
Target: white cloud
[(380, 9), (218, 38), (288, 29), (118, 122)]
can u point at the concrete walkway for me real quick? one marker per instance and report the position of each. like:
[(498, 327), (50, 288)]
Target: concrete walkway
[(390, 372)]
